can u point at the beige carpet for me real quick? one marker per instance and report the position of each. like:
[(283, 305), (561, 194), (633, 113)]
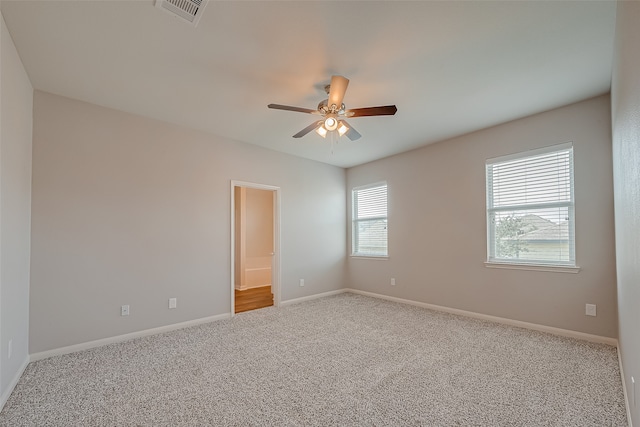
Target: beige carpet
[(346, 360)]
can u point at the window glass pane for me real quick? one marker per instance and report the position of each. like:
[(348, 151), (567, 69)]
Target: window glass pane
[(372, 237), (370, 221), (533, 235), (530, 209)]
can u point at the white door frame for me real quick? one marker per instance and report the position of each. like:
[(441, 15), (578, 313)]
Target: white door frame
[(275, 268)]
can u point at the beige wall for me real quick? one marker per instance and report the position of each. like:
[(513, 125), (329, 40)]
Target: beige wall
[(625, 92), (128, 210), (15, 211), (437, 225), (259, 223)]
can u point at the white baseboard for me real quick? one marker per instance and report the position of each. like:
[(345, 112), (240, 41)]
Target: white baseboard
[(502, 320), (5, 396), (624, 389), (126, 337), (312, 297), (252, 287)]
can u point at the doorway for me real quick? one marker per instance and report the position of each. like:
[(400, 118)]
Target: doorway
[(254, 246)]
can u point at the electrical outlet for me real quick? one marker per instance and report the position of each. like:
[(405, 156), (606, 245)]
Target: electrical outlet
[(124, 310), (9, 349), (590, 309), (301, 282), (393, 281), (173, 302)]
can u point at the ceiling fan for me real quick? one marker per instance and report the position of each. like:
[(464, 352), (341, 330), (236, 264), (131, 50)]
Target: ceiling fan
[(332, 110)]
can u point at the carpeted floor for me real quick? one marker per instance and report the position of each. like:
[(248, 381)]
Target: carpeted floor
[(346, 360)]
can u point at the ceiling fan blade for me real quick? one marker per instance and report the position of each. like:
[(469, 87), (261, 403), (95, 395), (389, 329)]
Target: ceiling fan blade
[(290, 108), (303, 132), (352, 134), (387, 110), (337, 90)]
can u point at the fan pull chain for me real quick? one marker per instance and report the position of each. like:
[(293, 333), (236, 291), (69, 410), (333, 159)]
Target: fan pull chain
[(334, 140)]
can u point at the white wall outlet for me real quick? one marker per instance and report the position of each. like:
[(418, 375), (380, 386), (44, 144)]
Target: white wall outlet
[(124, 310), (393, 281), (9, 349), (173, 302), (301, 282), (633, 391), (590, 310)]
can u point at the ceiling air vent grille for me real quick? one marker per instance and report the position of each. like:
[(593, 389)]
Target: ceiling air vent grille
[(189, 10)]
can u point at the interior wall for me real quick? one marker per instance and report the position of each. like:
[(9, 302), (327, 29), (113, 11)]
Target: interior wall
[(259, 223), (625, 94), (437, 225), (129, 210), (15, 211)]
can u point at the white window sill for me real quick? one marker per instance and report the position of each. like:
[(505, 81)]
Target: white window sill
[(533, 267), (377, 257)]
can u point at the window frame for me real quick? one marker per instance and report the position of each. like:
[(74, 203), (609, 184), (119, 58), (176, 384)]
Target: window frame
[(534, 264), (355, 221)]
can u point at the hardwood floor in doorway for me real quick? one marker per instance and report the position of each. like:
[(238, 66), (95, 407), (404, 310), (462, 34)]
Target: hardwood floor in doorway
[(254, 298)]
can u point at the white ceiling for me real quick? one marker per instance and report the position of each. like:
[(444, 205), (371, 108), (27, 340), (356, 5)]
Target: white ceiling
[(451, 67)]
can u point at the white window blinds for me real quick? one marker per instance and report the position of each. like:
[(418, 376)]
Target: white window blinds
[(369, 222), (530, 207)]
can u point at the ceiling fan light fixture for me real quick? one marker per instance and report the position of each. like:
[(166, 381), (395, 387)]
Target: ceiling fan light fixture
[(322, 131), (342, 128), (331, 123)]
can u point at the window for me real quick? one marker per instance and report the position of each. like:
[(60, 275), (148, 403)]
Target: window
[(369, 226), (530, 208)]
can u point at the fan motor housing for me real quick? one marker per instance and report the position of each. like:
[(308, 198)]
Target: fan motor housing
[(324, 108)]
